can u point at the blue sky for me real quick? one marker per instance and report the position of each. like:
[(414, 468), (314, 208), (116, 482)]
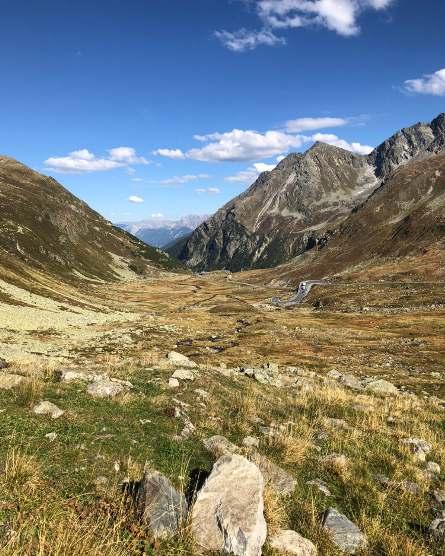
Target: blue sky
[(181, 103)]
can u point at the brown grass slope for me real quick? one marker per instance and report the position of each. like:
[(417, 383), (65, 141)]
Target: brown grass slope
[(46, 228)]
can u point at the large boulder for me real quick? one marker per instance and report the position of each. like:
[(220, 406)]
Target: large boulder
[(228, 512), (291, 542), (344, 533), (161, 506), (183, 374), (382, 387)]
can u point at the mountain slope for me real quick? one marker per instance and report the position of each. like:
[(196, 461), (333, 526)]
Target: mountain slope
[(398, 231), (300, 203), (161, 232), (44, 227)]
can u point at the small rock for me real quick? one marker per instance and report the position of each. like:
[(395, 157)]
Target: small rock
[(274, 476), (437, 528), (105, 389), (161, 506), (9, 380), (72, 375), (251, 442), (202, 393), (176, 358), (228, 512), (183, 374), (48, 408), (51, 436), (351, 381), (382, 387), (173, 383), (220, 446), (334, 374), (433, 467), (291, 542), (321, 486), (3, 364), (271, 367), (439, 497), (409, 487), (344, 533), (418, 447)]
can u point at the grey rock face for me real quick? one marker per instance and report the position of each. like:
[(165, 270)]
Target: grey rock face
[(228, 512), (161, 506), (291, 542), (344, 533), (300, 203), (220, 446)]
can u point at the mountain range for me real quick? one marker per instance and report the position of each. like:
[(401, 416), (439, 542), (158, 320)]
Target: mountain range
[(313, 197), (161, 232)]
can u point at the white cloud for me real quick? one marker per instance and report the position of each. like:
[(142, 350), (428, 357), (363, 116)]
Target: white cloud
[(82, 161), (242, 145), (175, 154), (430, 84), (157, 215), (137, 179), (244, 39), (135, 199), (126, 155), (208, 190), (307, 124), (250, 174), (184, 179), (332, 139), (340, 16)]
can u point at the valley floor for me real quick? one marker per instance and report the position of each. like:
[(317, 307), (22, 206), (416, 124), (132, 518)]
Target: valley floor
[(124, 330)]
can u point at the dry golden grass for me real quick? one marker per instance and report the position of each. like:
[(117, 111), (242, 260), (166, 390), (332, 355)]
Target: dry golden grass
[(28, 392)]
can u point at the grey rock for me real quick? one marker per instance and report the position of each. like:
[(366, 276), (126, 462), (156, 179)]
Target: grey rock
[(419, 448), (48, 408), (344, 533), (334, 374), (105, 389), (382, 387), (220, 446), (433, 467), (228, 513), (3, 364), (173, 383), (291, 542), (184, 374), (437, 528), (251, 442), (161, 506), (439, 497), (51, 436), (321, 486), (351, 381), (10, 380), (181, 360), (73, 375), (274, 476)]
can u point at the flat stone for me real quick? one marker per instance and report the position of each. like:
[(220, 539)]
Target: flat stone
[(184, 374), (10, 380), (173, 383), (382, 387), (161, 506), (228, 512), (48, 408), (274, 476), (220, 446), (344, 533), (291, 542), (105, 389), (72, 375), (178, 359)]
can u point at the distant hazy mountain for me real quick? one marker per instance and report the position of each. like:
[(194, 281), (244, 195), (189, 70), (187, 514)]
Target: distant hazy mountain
[(160, 232)]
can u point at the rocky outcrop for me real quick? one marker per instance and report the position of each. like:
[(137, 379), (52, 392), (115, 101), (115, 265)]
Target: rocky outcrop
[(228, 512), (302, 202), (343, 532)]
